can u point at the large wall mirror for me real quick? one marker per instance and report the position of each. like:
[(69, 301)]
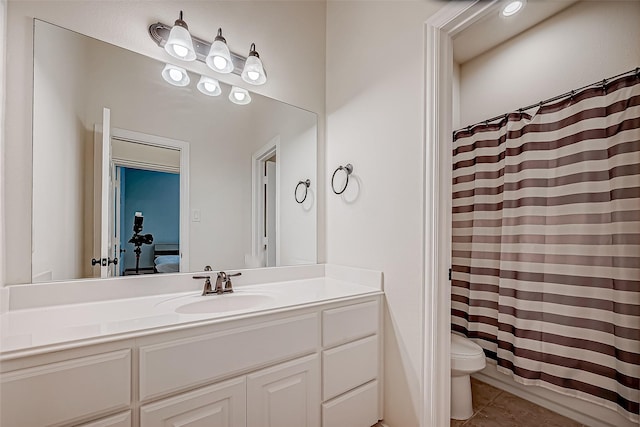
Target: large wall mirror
[(163, 178)]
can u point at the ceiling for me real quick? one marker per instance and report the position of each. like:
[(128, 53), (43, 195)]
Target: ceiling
[(494, 29)]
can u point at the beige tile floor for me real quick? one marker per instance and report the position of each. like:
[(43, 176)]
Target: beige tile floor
[(493, 407)]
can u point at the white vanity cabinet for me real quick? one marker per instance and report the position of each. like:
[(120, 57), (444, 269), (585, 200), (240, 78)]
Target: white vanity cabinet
[(118, 420), (286, 395), (45, 391), (312, 366), (218, 405), (351, 365)]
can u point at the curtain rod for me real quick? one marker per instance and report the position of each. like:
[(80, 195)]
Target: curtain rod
[(555, 98)]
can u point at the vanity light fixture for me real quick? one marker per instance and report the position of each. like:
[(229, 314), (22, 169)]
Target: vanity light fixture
[(239, 96), (219, 57), (215, 54), (253, 72), (209, 86), (512, 7), (179, 45), (175, 75)]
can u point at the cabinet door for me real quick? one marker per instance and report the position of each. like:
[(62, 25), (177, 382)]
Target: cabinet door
[(121, 420), (286, 395), (218, 405), (57, 393)]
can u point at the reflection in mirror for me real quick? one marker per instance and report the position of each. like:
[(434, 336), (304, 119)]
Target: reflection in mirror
[(213, 181)]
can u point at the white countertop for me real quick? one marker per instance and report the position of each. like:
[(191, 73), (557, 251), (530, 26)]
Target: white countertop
[(27, 331)]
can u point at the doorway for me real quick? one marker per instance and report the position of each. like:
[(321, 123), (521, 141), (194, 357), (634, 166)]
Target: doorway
[(155, 195), (265, 200), (149, 188), (440, 29)]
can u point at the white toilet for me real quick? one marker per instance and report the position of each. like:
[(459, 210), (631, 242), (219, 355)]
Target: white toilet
[(467, 357)]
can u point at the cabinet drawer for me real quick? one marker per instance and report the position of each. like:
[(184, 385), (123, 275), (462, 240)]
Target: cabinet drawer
[(59, 392), (348, 366), (175, 365), (120, 420), (218, 405), (358, 408), (349, 323)]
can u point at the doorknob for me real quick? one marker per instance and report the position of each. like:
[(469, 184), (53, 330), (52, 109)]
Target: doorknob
[(104, 262)]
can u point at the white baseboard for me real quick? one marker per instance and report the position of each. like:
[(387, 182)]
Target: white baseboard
[(584, 412)]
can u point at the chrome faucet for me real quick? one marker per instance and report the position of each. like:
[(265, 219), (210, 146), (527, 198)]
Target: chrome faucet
[(223, 283), (207, 282)]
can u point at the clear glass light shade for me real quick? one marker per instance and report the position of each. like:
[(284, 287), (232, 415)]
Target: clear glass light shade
[(180, 44), (209, 86), (219, 57), (512, 7), (239, 96), (253, 72), (175, 75)]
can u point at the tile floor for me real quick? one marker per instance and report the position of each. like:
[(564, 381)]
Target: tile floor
[(493, 407)]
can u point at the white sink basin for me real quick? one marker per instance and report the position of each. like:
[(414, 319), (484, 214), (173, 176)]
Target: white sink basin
[(224, 303)]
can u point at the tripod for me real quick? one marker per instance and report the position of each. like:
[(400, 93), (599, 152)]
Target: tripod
[(139, 239)]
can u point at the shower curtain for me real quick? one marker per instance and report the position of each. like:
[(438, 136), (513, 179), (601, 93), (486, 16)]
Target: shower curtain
[(546, 243)]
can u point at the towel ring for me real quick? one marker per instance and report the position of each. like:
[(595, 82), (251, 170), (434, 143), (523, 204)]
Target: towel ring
[(306, 184), (348, 169)]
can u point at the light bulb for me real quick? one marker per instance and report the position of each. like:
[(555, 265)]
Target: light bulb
[(181, 51), (512, 8), (253, 71), (239, 96), (219, 57), (179, 44), (219, 62), (175, 75), (209, 86)]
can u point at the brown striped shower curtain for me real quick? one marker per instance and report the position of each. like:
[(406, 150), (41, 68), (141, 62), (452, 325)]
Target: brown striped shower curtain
[(546, 244)]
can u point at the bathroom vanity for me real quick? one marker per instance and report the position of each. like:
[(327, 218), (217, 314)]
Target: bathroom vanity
[(292, 346)]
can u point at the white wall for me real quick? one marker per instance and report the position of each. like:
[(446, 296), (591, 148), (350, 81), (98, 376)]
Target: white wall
[(59, 108), (586, 42), (290, 37), (375, 116), (297, 163)]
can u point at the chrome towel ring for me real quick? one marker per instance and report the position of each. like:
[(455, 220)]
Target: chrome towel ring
[(348, 170), (306, 184)]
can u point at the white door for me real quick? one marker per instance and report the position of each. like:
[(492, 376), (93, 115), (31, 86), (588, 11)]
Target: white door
[(286, 395), (270, 213), (103, 152)]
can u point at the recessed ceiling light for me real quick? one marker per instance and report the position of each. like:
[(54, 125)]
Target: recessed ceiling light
[(513, 7)]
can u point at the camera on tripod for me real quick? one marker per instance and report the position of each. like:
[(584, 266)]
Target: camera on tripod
[(139, 239)]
